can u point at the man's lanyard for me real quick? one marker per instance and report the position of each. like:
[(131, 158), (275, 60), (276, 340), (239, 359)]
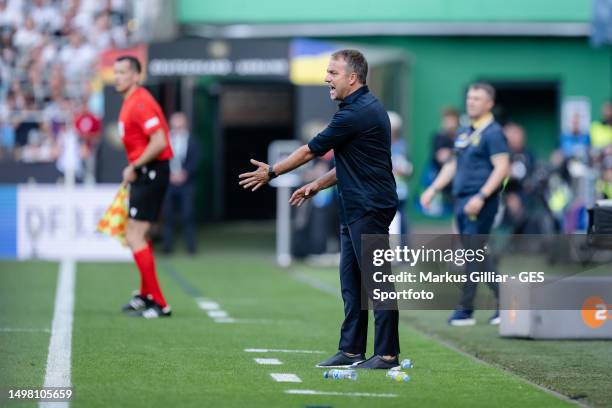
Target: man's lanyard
[(464, 140)]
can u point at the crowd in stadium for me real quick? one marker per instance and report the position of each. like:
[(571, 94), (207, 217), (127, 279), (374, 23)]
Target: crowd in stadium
[(48, 63)]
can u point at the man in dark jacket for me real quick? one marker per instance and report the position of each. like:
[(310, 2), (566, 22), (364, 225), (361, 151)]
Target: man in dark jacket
[(181, 192), (360, 136)]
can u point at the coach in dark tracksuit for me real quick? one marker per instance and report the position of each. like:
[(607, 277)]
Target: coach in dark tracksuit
[(360, 135), (480, 164)]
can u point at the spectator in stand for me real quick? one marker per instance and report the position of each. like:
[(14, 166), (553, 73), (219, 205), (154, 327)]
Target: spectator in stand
[(9, 17), (7, 131), (103, 35), (26, 121), (604, 184), (576, 143), (601, 131), (27, 37), (78, 58), (47, 18), (41, 147)]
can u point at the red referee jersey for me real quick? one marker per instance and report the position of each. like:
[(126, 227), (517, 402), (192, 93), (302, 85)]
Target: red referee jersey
[(140, 117)]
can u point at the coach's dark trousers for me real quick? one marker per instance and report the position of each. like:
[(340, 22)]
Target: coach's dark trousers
[(354, 331)]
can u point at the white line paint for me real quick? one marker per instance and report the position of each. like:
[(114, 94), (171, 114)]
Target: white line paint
[(217, 313), (268, 361), (60, 345), (285, 377), (23, 330), (206, 304), (262, 350), (224, 320), (343, 394)]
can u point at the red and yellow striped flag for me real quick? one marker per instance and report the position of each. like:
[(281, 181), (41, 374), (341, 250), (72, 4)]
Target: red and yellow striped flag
[(115, 218)]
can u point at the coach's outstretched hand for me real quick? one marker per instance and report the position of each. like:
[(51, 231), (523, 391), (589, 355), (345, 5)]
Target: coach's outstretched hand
[(304, 193), (255, 178)]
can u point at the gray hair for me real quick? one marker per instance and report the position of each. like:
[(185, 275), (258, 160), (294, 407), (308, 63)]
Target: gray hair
[(356, 61)]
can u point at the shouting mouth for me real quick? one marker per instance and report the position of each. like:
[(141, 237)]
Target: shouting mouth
[(332, 90)]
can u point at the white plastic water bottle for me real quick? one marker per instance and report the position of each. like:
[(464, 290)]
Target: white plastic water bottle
[(341, 374), (398, 376), (406, 363)]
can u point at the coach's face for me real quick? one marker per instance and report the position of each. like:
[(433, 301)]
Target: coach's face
[(339, 79), (478, 103), (125, 76)]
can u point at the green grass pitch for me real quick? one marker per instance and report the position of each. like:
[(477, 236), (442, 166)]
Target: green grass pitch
[(190, 360)]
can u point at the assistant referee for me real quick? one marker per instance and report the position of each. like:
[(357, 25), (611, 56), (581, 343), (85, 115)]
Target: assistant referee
[(145, 134)]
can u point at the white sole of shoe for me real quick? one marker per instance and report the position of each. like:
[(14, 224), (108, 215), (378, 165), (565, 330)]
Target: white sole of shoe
[(495, 322), (463, 322), (340, 366)]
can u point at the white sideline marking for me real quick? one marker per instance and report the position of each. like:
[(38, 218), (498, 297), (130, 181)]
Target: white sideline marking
[(345, 394), (217, 313), (262, 350), (207, 304), (25, 330), (285, 377), (60, 345), (268, 361)]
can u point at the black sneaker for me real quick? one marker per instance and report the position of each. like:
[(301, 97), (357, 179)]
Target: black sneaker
[(136, 304), (341, 360), (377, 363), (153, 312)]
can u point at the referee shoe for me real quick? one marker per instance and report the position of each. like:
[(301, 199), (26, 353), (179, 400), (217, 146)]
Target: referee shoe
[(136, 304), (154, 311)]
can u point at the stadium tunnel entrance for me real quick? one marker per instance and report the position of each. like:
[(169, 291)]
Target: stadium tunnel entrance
[(243, 94), (536, 105)]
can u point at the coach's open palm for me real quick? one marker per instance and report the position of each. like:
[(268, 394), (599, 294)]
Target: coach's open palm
[(304, 193), (256, 178)]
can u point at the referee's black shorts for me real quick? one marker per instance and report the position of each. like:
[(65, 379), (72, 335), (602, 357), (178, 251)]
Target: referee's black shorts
[(148, 191)]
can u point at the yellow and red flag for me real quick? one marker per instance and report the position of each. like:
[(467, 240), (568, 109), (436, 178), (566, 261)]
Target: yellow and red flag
[(115, 218)]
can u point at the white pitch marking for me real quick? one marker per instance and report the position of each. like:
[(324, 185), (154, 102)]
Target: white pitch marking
[(344, 394), (205, 304), (245, 321), (217, 313), (60, 345), (225, 320), (26, 330), (262, 350), (285, 377), (268, 361)]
